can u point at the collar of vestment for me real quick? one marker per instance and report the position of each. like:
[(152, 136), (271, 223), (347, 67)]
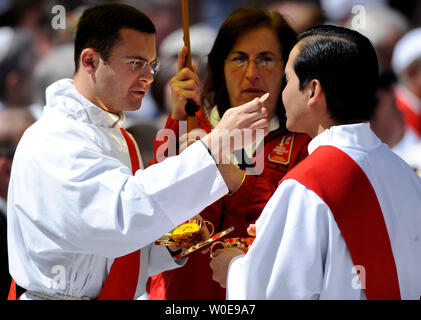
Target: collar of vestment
[(63, 96), (357, 135)]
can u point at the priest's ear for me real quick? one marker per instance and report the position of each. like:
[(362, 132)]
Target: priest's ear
[(89, 60), (314, 93)]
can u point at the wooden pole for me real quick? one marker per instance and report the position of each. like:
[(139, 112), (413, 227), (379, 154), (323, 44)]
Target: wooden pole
[(191, 107)]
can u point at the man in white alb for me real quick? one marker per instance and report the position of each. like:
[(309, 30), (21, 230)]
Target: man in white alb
[(345, 223), (78, 208)]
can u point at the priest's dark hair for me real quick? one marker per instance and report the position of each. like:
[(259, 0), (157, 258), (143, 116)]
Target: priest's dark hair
[(99, 26), (345, 63), (239, 22)]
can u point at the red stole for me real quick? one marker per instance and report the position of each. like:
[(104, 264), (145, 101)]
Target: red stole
[(340, 182), (122, 280)]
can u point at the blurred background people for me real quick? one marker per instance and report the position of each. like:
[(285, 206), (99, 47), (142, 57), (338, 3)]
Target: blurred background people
[(300, 14), (387, 121), (13, 123), (406, 63), (338, 11), (383, 26), (57, 64), (16, 67)]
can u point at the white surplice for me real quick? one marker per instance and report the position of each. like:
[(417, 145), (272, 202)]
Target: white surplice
[(74, 205), (299, 252)]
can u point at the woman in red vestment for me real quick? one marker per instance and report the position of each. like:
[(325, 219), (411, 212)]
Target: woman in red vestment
[(246, 61)]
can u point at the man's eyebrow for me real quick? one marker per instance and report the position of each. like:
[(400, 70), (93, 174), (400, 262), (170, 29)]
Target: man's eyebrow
[(263, 53), (135, 57), (139, 58)]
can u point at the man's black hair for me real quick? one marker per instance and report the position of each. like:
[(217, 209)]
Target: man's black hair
[(99, 26), (345, 63)]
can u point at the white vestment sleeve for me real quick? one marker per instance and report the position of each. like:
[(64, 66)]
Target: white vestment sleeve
[(153, 260), (287, 259), (161, 260), (91, 203)]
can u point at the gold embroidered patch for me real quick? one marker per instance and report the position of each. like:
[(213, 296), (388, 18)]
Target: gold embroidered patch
[(282, 152)]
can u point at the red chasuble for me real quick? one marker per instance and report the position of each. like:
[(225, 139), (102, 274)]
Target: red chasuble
[(340, 182)]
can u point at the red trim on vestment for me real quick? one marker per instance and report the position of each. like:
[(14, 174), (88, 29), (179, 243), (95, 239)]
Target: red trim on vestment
[(340, 182), (122, 280)]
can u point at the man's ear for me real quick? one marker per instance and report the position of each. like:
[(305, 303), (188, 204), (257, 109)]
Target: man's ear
[(89, 60), (314, 92)]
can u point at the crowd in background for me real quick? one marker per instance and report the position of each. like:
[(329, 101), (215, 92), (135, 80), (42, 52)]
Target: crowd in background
[(36, 49)]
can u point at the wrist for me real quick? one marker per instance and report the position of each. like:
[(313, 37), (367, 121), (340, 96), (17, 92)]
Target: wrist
[(239, 184), (217, 146)]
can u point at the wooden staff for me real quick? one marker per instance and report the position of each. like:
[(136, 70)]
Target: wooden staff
[(191, 107), (186, 32)]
